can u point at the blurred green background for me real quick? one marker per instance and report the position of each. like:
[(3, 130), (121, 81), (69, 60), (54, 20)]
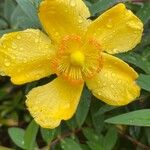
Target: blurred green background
[(95, 126)]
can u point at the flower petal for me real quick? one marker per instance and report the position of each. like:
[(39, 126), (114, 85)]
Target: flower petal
[(63, 17), (118, 29), (115, 84), (25, 56), (53, 102)]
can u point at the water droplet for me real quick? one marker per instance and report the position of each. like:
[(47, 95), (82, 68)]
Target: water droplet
[(109, 25), (72, 3), (133, 25), (36, 40), (66, 10), (21, 48), (2, 73), (56, 34), (47, 46), (104, 84), (119, 81), (115, 50), (113, 74), (131, 121), (14, 46), (7, 63), (25, 60), (112, 86), (80, 20), (4, 46), (18, 37), (99, 93)]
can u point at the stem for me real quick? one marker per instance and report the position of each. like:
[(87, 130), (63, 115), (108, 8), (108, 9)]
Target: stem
[(134, 141)]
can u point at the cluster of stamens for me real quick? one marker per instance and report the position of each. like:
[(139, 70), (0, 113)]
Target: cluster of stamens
[(76, 59)]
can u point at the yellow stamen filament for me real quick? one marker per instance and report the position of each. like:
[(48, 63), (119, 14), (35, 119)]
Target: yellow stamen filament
[(77, 60)]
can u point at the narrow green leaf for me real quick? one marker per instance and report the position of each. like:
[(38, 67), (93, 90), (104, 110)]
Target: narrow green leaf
[(104, 109), (17, 136), (5, 148), (136, 59), (30, 135), (9, 7), (144, 82), (110, 139), (95, 142), (48, 134), (144, 12), (83, 107), (136, 118), (70, 144), (30, 10), (3, 24), (102, 5)]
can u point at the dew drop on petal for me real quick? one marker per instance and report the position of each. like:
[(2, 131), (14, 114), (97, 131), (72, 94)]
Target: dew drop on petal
[(80, 20), (112, 86), (2, 73), (7, 63), (133, 25), (72, 3), (36, 40), (14, 46), (21, 48), (109, 25), (18, 37)]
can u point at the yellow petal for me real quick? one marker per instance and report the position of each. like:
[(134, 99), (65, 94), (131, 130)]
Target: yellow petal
[(115, 84), (63, 17), (53, 102), (25, 56), (118, 29)]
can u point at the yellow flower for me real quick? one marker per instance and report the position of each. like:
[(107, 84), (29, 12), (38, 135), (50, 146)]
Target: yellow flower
[(76, 54)]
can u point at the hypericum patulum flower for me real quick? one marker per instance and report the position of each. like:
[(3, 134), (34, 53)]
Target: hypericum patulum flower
[(78, 51)]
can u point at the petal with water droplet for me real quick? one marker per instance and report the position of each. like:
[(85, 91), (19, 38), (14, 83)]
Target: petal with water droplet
[(63, 17), (115, 85), (53, 102), (118, 29), (23, 58)]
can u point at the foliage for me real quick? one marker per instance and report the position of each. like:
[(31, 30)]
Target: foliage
[(95, 126)]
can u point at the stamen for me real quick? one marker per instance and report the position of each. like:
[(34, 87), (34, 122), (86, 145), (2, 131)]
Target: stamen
[(76, 60)]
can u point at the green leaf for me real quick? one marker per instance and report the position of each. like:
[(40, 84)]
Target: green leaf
[(20, 20), (95, 142), (104, 109), (83, 107), (144, 82), (144, 12), (136, 118), (110, 139), (3, 24), (70, 144), (5, 148), (9, 7), (17, 136), (101, 6), (48, 134), (30, 10), (72, 123), (85, 147), (136, 59), (30, 135)]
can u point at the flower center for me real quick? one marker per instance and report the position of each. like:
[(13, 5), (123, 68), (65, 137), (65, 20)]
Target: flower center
[(77, 58)]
